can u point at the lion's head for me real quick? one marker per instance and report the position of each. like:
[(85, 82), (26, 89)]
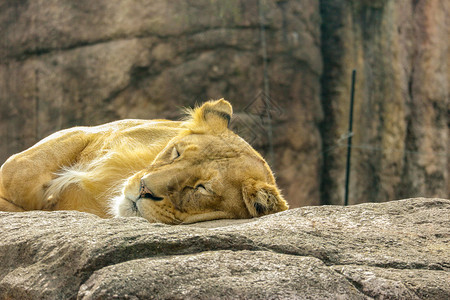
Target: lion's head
[(205, 173)]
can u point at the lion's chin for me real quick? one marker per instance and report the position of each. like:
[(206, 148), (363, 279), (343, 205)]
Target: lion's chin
[(121, 206), (124, 207)]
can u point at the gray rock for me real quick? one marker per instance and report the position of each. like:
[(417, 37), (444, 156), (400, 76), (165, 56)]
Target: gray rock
[(394, 250), (389, 283), (220, 274)]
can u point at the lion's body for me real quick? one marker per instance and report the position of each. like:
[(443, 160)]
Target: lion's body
[(86, 169), (103, 157)]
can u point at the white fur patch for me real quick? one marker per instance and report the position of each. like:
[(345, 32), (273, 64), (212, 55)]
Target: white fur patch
[(64, 178)]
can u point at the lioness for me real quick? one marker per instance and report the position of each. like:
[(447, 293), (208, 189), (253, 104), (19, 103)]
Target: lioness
[(165, 171)]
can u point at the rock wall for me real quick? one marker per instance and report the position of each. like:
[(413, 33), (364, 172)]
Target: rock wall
[(394, 250), (400, 51), (64, 63)]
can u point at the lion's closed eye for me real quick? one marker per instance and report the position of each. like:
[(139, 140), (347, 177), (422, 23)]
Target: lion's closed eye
[(174, 154), (200, 188)]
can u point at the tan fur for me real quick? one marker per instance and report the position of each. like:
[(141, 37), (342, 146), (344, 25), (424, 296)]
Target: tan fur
[(132, 168)]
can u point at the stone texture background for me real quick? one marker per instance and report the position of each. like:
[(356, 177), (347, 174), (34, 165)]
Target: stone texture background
[(66, 63), (393, 250), (401, 52)]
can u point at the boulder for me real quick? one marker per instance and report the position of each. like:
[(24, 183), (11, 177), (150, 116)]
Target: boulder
[(393, 250)]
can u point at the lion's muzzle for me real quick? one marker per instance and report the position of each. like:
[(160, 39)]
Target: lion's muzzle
[(146, 193)]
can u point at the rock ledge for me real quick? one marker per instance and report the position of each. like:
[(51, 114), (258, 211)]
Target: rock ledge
[(398, 250)]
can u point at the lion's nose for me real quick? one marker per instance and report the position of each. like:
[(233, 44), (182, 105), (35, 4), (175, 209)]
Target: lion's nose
[(146, 193)]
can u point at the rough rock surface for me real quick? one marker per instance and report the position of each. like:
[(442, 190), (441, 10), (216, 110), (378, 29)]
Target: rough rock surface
[(394, 250)]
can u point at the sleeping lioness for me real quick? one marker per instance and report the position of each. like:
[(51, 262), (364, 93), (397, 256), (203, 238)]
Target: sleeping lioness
[(165, 171)]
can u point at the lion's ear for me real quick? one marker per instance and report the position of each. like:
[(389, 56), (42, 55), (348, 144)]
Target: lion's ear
[(262, 198), (216, 115)]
